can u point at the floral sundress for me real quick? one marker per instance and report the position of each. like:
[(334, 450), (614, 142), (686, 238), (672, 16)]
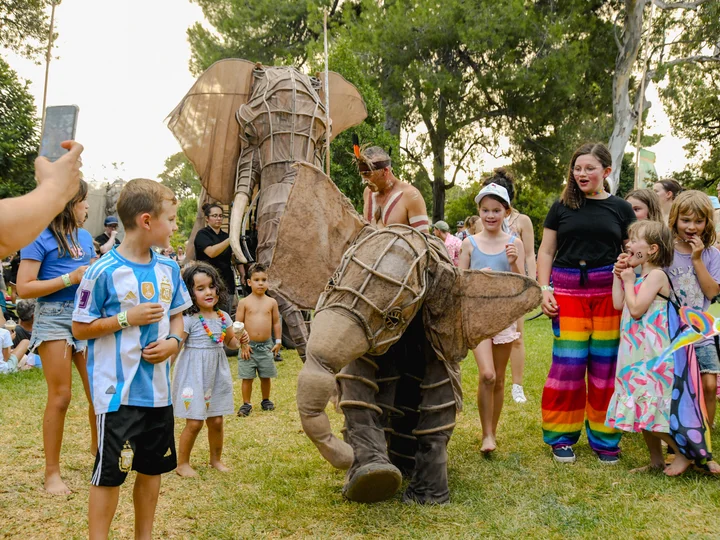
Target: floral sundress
[(643, 383)]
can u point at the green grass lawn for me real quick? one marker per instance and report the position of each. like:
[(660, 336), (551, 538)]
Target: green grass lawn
[(279, 485)]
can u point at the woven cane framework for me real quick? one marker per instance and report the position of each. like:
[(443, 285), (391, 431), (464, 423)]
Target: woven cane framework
[(283, 121), (381, 281)]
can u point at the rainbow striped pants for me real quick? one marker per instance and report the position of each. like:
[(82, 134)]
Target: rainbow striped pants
[(587, 334)]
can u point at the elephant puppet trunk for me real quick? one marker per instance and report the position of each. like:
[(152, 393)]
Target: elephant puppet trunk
[(334, 342), (236, 217)]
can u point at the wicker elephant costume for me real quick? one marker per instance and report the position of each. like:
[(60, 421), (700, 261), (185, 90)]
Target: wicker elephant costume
[(393, 320), (244, 126)]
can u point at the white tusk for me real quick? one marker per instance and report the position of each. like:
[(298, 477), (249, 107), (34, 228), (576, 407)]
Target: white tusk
[(236, 216)]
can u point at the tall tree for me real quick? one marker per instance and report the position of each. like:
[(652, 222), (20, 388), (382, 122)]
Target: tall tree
[(469, 72), (18, 134), (682, 34), (25, 26)]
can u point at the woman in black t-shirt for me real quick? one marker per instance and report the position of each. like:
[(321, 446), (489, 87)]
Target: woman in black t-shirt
[(212, 245), (584, 234)]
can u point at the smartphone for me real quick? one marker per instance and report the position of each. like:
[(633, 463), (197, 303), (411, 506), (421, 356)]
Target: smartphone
[(60, 125)]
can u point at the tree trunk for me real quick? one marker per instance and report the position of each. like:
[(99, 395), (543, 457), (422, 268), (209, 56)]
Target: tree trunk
[(624, 111), (438, 184)]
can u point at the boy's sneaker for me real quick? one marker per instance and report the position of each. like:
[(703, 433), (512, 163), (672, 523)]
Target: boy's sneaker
[(267, 405), (517, 394), (564, 454), (245, 409), (608, 459)]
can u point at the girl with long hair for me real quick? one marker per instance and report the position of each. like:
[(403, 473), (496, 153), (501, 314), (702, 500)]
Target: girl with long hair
[(583, 236), (667, 191), (50, 270)]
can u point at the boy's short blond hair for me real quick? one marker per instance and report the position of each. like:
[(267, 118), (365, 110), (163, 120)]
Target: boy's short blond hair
[(140, 196), (698, 204)]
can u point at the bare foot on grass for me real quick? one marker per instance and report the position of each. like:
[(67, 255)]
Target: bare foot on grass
[(220, 466), (55, 486), (710, 468), (185, 470), (488, 444), (678, 466)]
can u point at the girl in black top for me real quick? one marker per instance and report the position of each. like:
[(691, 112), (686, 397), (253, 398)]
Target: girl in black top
[(584, 234)]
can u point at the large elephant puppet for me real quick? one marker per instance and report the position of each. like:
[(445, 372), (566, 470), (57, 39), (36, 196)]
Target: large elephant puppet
[(244, 126), (393, 320)]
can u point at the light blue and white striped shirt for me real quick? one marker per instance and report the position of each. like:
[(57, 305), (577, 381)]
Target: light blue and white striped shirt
[(118, 375)]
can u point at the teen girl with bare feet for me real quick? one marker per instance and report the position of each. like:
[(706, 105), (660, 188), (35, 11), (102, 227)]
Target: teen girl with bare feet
[(50, 270), (493, 249)]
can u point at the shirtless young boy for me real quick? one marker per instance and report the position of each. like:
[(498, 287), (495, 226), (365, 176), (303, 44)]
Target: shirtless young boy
[(261, 317)]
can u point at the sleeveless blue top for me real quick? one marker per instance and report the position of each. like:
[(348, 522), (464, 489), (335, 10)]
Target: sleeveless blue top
[(497, 261)]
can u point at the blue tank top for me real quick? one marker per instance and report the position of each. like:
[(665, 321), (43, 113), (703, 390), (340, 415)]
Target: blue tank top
[(497, 262)]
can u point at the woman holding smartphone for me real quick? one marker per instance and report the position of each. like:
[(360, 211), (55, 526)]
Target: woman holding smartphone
[(50, 270)]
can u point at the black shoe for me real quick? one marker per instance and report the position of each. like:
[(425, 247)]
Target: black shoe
[(564, 454), (244, 410), (267, 405), (278, 358), (608, 459)]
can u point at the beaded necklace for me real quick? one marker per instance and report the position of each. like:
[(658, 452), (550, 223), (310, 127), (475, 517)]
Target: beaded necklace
[(593, 193), (214, 338)]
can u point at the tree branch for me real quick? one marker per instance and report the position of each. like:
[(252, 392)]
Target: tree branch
[(474, 118), (459, 166), (678, 5), (697, 59)]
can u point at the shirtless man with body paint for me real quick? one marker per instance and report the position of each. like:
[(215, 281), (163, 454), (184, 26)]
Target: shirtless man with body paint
[(386, 199)]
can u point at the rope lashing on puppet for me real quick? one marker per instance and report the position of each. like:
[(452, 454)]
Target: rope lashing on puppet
[(392, 314)]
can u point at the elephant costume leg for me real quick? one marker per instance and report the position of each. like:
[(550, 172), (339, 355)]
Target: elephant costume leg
[(429, 483), (371, 477), (336, 340)]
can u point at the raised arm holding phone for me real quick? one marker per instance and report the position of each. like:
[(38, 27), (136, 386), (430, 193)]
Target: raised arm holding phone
[(22, 219)]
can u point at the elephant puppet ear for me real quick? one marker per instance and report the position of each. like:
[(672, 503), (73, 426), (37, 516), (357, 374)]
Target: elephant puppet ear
[(347, 108), (492, 301), (318, 225), (205, 126)]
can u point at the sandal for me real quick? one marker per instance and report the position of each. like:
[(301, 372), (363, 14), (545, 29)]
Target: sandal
[(244, 410)]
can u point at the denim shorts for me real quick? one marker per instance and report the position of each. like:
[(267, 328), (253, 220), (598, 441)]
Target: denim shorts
[(707, 357), (53, 322)]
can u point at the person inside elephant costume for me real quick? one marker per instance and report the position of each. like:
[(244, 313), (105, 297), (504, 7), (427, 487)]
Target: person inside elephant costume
[(394, 317), (244, 126)]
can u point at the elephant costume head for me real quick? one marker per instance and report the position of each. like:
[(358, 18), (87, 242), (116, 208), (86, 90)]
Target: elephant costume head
[(367, 285), (243, 126)]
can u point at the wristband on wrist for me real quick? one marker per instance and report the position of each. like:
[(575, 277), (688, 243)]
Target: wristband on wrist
[(278, 342), (176, 338), (546, 288), (66, 280), (123, 319)]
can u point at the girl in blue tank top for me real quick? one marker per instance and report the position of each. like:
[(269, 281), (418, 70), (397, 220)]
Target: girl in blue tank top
[(493, 249)]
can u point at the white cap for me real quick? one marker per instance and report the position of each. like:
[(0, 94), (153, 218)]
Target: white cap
[(493, 189)]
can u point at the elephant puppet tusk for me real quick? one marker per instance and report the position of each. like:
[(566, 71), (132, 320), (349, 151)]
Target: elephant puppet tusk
[(236, 217)]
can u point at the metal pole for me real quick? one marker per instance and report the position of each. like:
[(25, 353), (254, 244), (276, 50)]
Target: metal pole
[(636, 183), (48, 55), (327, 100)]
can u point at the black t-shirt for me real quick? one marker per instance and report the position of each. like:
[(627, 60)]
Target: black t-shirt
[(103, 238), (594, 233), (20, 334), (204, 239)]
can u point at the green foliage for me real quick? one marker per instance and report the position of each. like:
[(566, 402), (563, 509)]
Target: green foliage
[(18, 134), (186, 216), (627, 175), (180, 176), (25, 25)]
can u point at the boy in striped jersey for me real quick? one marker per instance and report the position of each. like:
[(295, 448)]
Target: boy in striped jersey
[(129, 307)]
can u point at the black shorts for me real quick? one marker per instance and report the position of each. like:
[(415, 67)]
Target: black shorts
[(141, 439)]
